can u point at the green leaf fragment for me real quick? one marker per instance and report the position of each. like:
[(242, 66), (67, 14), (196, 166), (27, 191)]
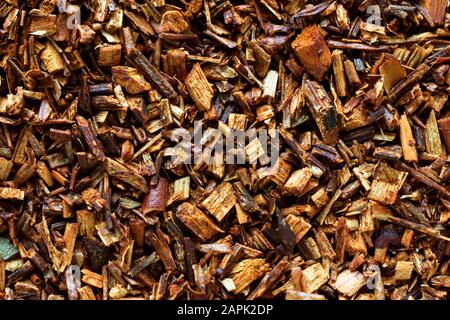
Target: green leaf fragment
[(7, 249)]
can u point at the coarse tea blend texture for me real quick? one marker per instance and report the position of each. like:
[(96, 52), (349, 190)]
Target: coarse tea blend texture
[(253, 149)]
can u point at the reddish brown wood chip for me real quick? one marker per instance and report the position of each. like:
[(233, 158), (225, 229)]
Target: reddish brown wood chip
[(312, 51)]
